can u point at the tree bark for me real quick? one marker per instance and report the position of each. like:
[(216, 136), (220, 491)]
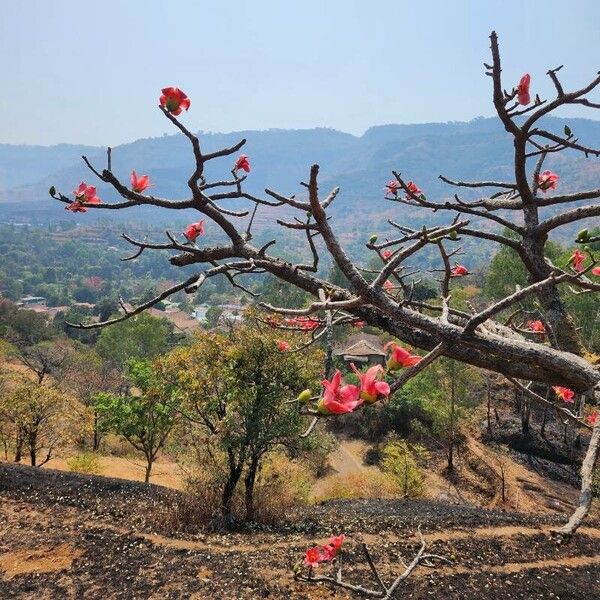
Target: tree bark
[(249, 482), (19, 446)]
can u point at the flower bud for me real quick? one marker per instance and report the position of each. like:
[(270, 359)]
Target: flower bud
[(304, 396)]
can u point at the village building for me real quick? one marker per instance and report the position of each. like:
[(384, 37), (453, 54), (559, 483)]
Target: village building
[(362, 349)]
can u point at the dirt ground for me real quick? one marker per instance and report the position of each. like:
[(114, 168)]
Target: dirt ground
[(66, 536)]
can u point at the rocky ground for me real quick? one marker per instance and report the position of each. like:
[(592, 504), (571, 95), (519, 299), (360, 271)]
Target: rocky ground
[(68, 536)]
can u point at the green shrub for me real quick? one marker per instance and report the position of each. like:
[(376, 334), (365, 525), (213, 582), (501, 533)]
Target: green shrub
[(86, 462), (404, 462)]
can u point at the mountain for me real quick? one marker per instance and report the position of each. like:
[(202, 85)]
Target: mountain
[(478, 149)]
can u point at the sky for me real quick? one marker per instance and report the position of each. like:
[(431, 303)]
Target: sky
[(90, 71)]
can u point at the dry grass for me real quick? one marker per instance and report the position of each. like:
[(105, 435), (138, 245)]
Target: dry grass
[(353, 486)]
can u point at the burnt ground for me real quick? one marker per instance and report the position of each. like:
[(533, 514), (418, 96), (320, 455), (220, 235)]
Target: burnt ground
[(64, 536)]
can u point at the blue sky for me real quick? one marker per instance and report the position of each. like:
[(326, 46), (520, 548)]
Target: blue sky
[(90, 71)]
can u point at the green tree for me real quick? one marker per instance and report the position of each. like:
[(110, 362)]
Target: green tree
[(145, 419), (42, 416), (235, 390), (405, 463), (142, 336)]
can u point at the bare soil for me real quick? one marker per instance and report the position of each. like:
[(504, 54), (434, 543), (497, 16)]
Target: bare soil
[(64, 536)]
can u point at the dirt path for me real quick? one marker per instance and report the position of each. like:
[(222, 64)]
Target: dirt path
[(346, 460)]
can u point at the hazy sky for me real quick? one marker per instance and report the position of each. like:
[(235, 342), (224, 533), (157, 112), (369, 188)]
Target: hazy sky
[(90, 71)]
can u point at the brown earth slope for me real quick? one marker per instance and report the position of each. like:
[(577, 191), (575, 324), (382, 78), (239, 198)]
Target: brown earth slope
[(70, 536)]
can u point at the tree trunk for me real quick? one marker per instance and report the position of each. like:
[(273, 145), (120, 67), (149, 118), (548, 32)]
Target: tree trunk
[(149, 463), (235, 472), (96, 440), (249, 482), (451, 436), (19, 447)]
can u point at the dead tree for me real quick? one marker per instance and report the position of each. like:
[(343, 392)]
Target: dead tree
[(385, 299)]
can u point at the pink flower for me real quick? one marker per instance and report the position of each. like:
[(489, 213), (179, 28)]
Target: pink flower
[(400, 357), (391, 187), (592, 418), (536, 326), (459, 271), (596, 271), (358, 324), (242, 163), (313, 557), (283, 345), (174, 100), (388, 286), (371, 389), (305, 323), (386, 254), (331, 549), (578, 258), (338, 399), (192, 231), (84, 194), (565, 394), (523, 90), (548, 181), (139, 184), (414, 190)]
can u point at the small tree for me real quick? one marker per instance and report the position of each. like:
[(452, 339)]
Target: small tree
[(405, 463), (235, 390), (42, 416), (144, 419)]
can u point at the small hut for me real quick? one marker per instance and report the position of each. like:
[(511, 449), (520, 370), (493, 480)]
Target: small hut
[(366, 350)]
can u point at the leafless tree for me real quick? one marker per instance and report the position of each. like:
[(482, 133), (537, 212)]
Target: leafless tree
[(385, 298)]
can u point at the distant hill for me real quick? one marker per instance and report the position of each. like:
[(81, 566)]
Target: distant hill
[(281, 159)]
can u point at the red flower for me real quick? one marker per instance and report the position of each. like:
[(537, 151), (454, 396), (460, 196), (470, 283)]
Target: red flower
[(414, 190), (358, 324), (391, 187), (536, 326), (565, 394), (386, 254), (548, 181), (459, 271), (313, 557), (523, 90), (242, 163), (174, 100), (400, 357), (596, 271), (388, 286), (593, 418), (84, 194), (272, 321), (338, 399), (371, 389), (139, 184), (578, 258), (191, 232), (305, 323), (331, 549), (283, 345)]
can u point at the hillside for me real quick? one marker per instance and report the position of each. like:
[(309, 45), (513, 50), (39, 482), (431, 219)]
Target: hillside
[(478, 149), (67, 535)]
